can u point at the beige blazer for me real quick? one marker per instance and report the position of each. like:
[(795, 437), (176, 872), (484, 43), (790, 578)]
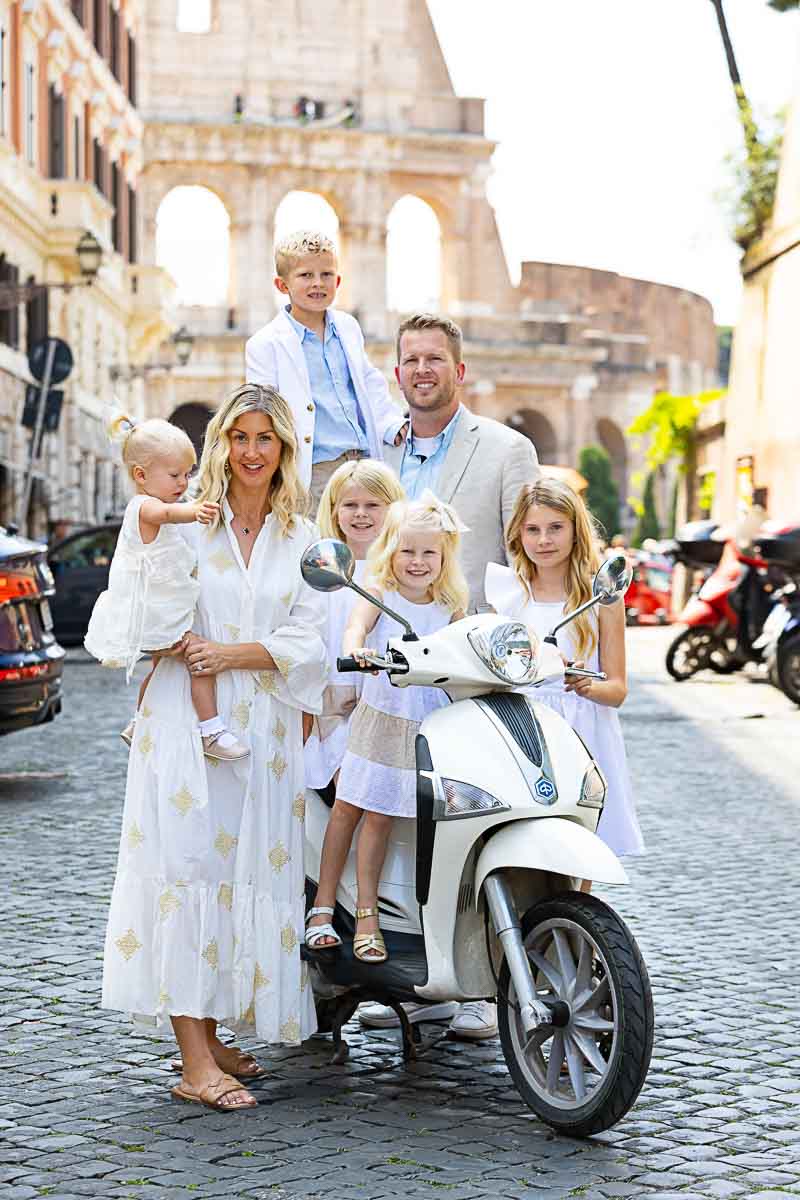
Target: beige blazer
[(485, 467)]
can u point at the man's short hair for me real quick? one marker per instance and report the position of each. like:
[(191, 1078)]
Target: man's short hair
[(297, 245), (419, 321)]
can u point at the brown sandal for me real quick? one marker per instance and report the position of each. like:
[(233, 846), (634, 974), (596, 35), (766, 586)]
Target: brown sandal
[(213, 1095), (247, 1067)]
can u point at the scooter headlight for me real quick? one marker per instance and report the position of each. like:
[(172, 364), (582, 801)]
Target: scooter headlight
[(510, 651), (593, 788)]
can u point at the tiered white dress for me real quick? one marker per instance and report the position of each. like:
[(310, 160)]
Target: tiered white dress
[(324, 750), (379, 771), (597, 724), (151, 596), (207, 910)]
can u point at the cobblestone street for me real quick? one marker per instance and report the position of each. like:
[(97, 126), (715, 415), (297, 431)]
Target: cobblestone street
[(85, 1103)]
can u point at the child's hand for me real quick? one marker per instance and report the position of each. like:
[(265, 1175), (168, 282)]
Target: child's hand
[(401, 436), (205, 512), (582, 686), (360, 655)]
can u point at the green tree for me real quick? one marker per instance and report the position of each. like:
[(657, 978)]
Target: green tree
[(647, 526), (602, 494)]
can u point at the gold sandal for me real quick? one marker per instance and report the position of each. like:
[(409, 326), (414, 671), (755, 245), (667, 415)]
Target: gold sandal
[(213, 1094), (363, 943)]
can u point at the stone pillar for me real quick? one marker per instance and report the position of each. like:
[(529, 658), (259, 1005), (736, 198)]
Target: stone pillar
[(582, 422), (364, 261)]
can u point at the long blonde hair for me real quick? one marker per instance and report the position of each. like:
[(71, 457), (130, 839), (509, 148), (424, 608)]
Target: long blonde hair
[(141, 442), (583, 560), (427, 515), (366, 473), (287, 496)]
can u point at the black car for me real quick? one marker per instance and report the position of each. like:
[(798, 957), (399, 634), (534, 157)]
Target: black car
[(31, 659), (80, 565)]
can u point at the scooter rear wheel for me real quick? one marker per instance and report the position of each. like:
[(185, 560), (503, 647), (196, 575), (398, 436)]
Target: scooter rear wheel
[(583, 1073), (788, 667), (696, 649)]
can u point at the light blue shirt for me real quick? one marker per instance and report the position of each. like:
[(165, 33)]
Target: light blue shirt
[(417, 473), (338, 424)]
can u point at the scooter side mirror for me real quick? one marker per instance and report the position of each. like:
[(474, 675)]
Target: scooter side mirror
[(612, 579), (327, 565)]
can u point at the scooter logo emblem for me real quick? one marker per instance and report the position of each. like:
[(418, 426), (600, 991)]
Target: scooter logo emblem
[(544, 789)]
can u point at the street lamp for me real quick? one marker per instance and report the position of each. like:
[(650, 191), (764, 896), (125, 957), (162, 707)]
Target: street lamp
[(181, 340), (89, 253)]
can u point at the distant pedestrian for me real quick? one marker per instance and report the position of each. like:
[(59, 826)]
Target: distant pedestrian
[(314, 355), (551, 545), (152, 589), (207, 910), (474, 463)]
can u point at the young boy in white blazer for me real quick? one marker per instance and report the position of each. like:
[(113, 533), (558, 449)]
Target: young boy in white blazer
[(314, 355)]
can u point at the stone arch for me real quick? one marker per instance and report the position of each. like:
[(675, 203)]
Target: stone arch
[(193, 242), (193, 418), (304, 209), (538, 428), (612, 439), (413, 256)]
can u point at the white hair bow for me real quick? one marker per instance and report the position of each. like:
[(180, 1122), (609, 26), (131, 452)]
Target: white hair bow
[(448, 517)]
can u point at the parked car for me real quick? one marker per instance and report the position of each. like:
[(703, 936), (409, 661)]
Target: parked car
[(80, 565), (648, 601), (31, 659)]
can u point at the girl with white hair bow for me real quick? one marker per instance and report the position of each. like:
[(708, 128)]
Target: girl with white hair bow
[(413, 567)]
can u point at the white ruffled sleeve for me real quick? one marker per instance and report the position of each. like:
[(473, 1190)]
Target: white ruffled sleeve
[(298, 648), (504, 591)]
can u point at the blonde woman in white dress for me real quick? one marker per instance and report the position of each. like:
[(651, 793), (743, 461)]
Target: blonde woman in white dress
[(206, 914)]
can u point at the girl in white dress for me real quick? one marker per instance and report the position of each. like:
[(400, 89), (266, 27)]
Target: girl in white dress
[(551, 545), (413, 567), (152, 585), (207, 909), (352, 508)]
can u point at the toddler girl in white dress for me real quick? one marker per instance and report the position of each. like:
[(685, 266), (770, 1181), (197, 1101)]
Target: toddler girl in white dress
[(550, 540), (413, 567), (352, 508), (152, 585)]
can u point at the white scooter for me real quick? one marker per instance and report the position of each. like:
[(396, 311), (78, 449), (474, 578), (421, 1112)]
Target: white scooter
[(478, 897)]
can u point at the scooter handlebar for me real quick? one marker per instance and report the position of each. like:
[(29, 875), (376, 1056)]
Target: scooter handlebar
[(349, 663)]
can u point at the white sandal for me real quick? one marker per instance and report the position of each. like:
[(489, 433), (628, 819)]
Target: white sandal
[(315, 933)]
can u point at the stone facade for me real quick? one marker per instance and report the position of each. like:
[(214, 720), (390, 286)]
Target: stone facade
[(70, 154), (762, 434), (570, 356)]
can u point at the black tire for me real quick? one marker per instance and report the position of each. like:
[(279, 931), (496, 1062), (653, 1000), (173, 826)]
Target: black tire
[(696, 649), (788, 667), (625, 1052)]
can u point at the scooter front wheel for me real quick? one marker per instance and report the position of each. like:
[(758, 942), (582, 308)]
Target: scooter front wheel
[(583, 1072), (695, 649)]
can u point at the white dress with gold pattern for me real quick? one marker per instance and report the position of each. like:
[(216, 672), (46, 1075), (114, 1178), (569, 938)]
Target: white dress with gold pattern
[(207, 910)]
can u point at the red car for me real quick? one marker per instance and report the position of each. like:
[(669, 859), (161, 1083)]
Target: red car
[(648, 601)]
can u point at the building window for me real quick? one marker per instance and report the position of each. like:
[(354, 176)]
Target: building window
[(131, 69), (9, 317), (77, 148), (30, 113), (116, 195), (3, 72), (57, 163), (36, 318), (194, 16), (114, 31), (99, 166), (131, 224)]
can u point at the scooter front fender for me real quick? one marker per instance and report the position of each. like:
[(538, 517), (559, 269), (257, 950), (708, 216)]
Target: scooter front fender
[(549, 844)]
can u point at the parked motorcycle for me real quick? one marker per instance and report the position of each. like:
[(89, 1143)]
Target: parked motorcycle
[(479, 897), (725, 616), (779, 643)]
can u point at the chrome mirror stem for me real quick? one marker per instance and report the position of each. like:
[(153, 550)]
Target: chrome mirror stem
[(409, 635), (551, 637)]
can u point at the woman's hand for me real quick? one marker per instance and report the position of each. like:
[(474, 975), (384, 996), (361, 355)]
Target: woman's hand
[(203, 657), (582, 686)]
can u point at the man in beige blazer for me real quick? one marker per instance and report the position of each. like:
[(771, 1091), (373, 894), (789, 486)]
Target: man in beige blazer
[(479, 466), (474, 463)]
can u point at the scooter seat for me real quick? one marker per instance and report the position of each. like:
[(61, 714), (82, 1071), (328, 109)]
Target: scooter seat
[(405, 968), (327, 794)]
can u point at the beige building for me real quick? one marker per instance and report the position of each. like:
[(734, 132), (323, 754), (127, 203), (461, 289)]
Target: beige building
[(354, 103), (762, 435), (70, 155)]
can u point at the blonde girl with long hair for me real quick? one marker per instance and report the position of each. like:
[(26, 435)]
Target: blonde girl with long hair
[(551, 541), (150, 602), (413, 567), (207, 910), (352, 509)]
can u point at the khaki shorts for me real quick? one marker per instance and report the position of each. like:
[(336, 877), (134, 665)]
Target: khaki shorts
[(321, 473)]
